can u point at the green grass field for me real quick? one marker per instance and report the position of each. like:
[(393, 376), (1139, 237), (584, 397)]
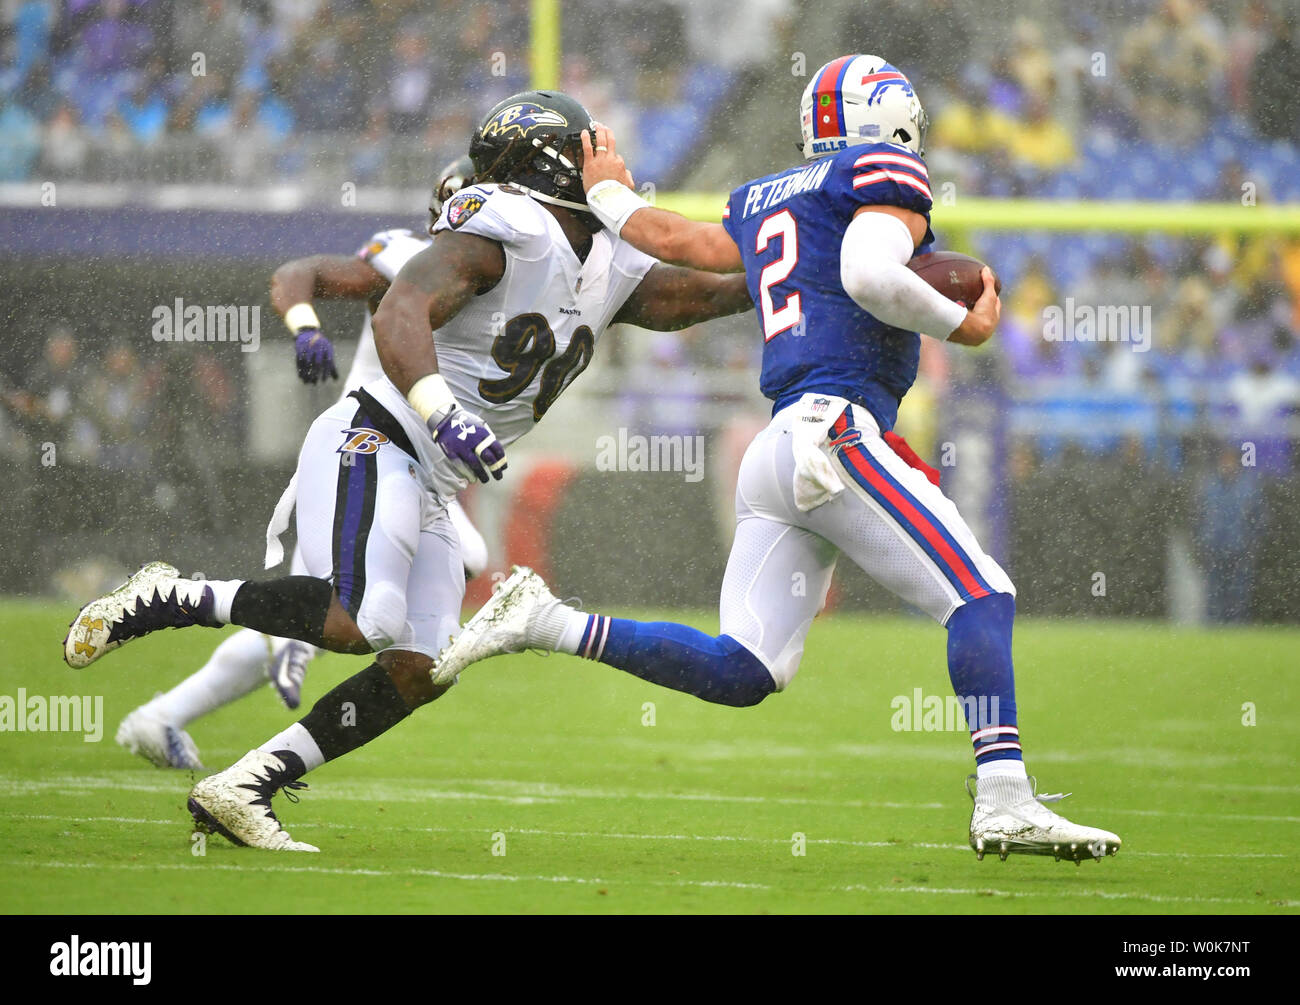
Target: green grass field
[(697, 812)]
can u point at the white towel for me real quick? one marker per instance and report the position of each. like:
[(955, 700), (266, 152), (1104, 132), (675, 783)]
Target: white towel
[(280, 523), (815, 479)]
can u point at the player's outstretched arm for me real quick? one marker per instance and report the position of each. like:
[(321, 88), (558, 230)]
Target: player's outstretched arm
[(295, 284), (431, 289), (877, 245), (669, 298), (324, 277), (666, 236)]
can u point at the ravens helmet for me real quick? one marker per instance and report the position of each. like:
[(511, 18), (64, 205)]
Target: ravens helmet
[(532, 141), (451, 179)]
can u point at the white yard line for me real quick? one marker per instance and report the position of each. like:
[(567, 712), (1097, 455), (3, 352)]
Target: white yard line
[(518, 792), (491, 877), (496, 877), (1101, 894), (486, 832)]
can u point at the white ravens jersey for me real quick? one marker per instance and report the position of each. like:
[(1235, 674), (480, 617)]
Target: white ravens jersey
[(386, 252), (510, 352)]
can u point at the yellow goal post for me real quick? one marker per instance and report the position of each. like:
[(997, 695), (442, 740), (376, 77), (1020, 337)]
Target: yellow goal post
[(967, 214)]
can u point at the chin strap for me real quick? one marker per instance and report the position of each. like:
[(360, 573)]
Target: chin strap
[(581, 207)]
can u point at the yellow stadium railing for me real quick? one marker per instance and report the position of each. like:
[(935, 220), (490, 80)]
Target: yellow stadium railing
[(972, 213)]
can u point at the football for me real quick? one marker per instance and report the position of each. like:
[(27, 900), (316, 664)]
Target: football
[(953, 274)]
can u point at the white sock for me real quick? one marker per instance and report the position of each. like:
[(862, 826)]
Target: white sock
[(1006, 768), (223, 596), (559, 628), (298, 740), (235, 668)]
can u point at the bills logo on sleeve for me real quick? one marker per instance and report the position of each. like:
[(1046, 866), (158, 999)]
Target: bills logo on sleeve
[(462, 207)]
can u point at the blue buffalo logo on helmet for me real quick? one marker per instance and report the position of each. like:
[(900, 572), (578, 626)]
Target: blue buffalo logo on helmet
[(462, 207), (522, 117)]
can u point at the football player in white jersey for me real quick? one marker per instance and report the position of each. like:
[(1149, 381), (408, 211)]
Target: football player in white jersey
[(518, 285), (244, 661)]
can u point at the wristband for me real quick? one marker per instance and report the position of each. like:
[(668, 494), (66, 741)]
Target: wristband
[(612, 203), (301, 316), (430, 396)]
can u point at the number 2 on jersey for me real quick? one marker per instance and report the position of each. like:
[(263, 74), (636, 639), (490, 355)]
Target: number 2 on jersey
[(778, 319)]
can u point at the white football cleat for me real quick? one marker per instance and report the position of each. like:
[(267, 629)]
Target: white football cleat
[(159, 742), (1010, 819), (155, 597), (503, 625), (236, 803)]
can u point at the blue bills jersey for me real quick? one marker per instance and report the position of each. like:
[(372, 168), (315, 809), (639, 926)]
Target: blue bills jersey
[(788, 227)]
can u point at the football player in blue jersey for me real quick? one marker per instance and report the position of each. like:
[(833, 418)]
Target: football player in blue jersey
[(824, 247)]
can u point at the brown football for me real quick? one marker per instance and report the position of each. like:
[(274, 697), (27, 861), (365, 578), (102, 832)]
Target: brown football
[(953, 274)]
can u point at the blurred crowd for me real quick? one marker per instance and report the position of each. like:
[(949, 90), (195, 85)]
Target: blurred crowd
[(86, 83), (84, 78), (115, 408)]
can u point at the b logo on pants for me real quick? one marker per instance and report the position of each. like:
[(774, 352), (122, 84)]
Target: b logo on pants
[(362, 441)]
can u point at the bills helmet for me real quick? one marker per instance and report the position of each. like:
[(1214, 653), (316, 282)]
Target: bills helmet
[(533, 141), (451, 179), (860, 99)]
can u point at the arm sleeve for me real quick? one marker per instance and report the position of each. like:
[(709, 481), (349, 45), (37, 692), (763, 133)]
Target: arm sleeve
[(873, 270)]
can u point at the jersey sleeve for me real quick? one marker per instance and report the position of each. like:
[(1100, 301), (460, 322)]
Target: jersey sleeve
[(387, 251), (880, 174), (632, 262), (731, 213), (486, 211)]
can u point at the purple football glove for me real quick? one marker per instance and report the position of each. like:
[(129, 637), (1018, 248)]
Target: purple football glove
[(315, 356), (465, 437)]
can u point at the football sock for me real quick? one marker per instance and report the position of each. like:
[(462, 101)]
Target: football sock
[(351, 715), (717, 669), (561, 628), (979, 665), (295, 742), (223, 596), (293, 607), (235, 668)]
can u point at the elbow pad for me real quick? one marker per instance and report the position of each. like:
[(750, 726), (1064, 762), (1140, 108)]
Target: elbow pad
[(873, 270)]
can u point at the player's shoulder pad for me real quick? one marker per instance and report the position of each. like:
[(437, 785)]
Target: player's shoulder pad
[(883, 174), (491, 211)]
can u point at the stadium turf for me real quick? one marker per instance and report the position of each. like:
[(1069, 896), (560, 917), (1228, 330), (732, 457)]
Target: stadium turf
[(549, 761)]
